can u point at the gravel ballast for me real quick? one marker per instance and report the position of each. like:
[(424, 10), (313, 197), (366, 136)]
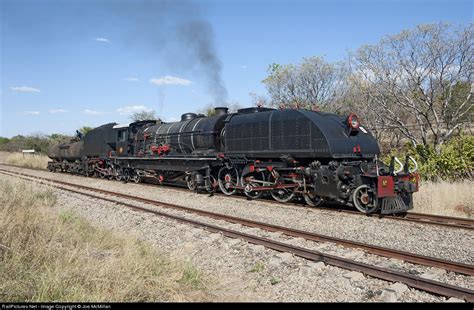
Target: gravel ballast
[(435, 241), (244, 271)]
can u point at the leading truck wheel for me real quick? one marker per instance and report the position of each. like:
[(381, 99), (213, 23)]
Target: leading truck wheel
[(365, 200)]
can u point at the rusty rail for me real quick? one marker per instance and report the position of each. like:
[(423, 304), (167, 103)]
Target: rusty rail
[(373, 249), (377, 272), (429, 219)]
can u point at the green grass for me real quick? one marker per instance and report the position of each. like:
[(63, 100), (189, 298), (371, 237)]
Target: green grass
[(274, 281), (258, 267), (192, 277)]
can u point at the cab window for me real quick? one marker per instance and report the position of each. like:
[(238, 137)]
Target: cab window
[(122, 136)]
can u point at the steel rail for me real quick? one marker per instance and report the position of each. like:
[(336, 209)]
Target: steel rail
[(427, 285), (420, 218), (438, 218), (377, 250)]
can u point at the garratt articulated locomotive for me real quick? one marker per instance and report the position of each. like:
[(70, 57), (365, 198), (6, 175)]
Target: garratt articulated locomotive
[(259, 151)]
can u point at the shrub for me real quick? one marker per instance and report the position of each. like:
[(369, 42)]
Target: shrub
[(454, 162), (38, 142)]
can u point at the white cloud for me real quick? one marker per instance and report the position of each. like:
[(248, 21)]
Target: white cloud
[(104, 40), (32, 112), (169, 80), (25, 89), (91, 112), (132, 79), (128, 110), (171, 119), (54, 111)]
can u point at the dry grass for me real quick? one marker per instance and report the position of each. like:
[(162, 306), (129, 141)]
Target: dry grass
[(30, 161), (51, 256), (444, 198)]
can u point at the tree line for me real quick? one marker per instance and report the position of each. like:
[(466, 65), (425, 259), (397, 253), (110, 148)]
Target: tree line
[(38, 142), (41, 142), (416, 85)]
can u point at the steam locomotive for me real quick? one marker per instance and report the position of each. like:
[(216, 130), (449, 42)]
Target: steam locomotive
[(285, 154)]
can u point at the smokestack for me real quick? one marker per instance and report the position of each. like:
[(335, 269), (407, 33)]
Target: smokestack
[(221, 111)]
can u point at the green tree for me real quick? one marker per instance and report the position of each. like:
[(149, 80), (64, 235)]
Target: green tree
[(421, 80), (3, 140), (38, 142), (312, 84), (85, 129), (57, 138)]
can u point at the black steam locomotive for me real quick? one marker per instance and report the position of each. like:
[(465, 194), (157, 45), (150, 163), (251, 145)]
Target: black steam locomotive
[(286, 153)]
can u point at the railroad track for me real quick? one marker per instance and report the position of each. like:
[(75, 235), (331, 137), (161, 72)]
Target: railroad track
[(421, 218), (377, 272)]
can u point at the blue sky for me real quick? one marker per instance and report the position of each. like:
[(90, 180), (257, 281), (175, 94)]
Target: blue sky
[(66, 64)]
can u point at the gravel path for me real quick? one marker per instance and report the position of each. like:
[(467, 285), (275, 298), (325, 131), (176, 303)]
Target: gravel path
[(248, 272)]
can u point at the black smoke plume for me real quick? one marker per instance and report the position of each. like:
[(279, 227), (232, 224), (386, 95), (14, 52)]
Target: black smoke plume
[(181, 35)]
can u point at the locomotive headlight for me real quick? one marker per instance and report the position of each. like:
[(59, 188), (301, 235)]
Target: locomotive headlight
[(353, 121)]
